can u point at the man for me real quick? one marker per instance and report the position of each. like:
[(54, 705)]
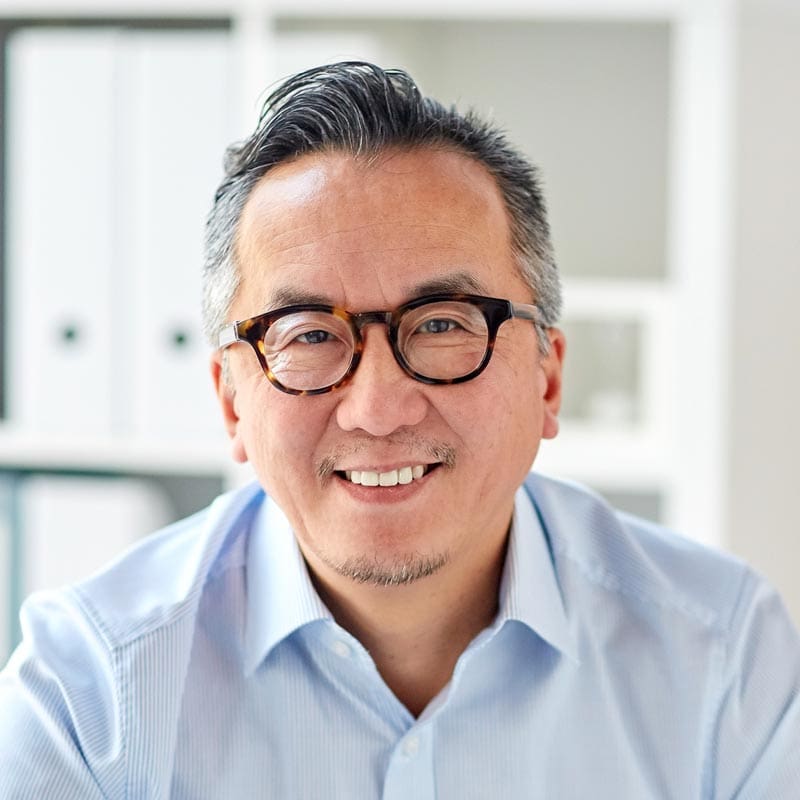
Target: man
[(397, 609)]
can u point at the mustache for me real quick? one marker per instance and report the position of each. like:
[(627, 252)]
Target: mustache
[(432, 450)]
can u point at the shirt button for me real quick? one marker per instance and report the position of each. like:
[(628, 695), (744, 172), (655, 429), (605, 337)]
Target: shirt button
[(411, 746), (341, 649)]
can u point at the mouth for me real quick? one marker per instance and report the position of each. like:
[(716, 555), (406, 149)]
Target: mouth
[(393, 477)]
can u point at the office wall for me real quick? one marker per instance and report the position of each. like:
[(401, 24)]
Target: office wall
[(765, 386)]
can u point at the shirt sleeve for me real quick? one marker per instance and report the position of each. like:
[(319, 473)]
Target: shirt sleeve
[(60, 728), (758, 727)]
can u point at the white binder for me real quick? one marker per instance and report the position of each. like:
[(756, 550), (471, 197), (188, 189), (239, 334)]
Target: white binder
[(181, 116), (60, 231)]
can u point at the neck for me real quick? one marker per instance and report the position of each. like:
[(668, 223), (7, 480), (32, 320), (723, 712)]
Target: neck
[(416, 632)]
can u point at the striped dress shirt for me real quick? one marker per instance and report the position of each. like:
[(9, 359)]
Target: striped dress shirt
[(624, 662)]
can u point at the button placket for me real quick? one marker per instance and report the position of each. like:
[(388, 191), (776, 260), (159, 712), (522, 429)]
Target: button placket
[(410, 747), (410, 771)]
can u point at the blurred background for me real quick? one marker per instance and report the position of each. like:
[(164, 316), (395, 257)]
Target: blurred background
[(666, 133)]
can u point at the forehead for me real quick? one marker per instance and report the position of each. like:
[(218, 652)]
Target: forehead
[(341, 228)]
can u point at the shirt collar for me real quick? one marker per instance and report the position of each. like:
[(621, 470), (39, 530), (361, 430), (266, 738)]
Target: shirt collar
[(529, 589), (280, 595)]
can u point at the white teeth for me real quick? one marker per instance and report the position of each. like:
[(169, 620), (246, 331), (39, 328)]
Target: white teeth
[(369, 478), (388, 478), (403, 476)]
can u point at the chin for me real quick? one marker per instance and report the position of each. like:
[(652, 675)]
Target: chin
[(390, 571)]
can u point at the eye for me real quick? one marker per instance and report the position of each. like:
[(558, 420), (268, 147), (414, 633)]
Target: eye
[(314, 337), (305, 330), (437, 325)]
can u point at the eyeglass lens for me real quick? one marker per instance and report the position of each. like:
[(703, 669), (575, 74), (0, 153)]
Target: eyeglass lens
[(309, 350)]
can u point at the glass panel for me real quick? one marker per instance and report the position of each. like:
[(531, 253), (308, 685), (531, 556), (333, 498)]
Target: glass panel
[(587, 101), (647, 504), (601, 372)]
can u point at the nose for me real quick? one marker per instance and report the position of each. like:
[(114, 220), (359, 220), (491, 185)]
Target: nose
[(380, 398)]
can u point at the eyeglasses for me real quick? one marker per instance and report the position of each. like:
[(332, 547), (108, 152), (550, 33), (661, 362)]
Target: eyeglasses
[(311, 349)]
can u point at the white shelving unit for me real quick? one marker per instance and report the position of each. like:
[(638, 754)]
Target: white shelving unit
[(648, 271)]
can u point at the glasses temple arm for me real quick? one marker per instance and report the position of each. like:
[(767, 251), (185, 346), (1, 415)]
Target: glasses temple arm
[(527, 311), (227, 336)]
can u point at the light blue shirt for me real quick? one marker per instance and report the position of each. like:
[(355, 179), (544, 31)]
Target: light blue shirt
[(625, 662)]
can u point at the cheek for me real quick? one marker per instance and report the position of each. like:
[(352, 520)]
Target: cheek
[(511, 420), (283, 434), (512, 388), (498, 441), (497, 417)]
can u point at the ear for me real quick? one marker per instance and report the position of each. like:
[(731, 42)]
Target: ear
[(227, 401), (550, 369)]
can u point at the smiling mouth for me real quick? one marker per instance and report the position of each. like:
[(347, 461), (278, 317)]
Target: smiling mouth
[(393, 477)]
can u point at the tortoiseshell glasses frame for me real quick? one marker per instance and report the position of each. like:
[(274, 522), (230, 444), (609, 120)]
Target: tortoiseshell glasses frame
[(494, 312)]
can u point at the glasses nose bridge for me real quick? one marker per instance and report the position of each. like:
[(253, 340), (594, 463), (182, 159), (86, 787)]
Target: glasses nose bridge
[(387, 318), (372, 318)]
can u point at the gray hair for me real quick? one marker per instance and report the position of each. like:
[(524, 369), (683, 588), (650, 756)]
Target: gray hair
[(359, 108)]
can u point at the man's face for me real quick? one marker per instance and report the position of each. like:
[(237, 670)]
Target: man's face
[(332, 229)]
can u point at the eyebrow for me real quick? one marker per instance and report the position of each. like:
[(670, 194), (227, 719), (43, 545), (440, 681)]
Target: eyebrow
[(293, 296), (457, 282)]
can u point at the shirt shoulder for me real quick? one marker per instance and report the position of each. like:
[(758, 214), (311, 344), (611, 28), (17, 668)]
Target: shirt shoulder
[(654, 610), (638, 560), (97, 679), (161, 578)]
